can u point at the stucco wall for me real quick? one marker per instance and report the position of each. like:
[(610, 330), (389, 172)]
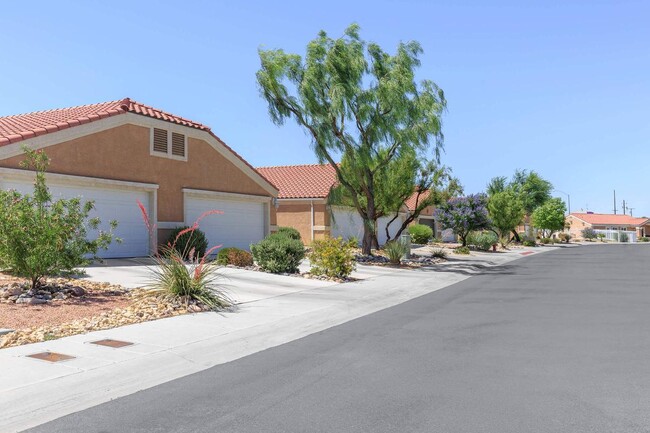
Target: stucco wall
[(123, 153), (298, 216)]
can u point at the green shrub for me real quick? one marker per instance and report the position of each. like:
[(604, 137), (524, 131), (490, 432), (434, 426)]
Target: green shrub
[(173, 280), (41, 237), (278, 253), (601, 236), (529, 243), (289, 232), (589, 234), (234, 256), (461, 250), (482, 240), (644, 239), (439, 253), (353, 242), (565, 237), (545, 241), (396, 250), (189, 242), (420, 233), (332, 257), (624, 237)]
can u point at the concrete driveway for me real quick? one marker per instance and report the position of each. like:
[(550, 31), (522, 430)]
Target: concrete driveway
[(239, 284)]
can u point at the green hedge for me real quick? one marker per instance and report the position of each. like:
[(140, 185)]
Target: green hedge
[(420, 233), (278, 253)]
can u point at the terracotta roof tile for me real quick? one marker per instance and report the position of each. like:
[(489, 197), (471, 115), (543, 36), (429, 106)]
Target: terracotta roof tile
[(609, 219), (23, 126), (301, 181), (411, 202)]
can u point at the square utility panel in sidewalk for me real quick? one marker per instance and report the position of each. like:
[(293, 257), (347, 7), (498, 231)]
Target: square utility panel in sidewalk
[(116, 344), (51, 356)]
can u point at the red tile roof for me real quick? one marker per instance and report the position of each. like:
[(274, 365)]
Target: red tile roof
[(411, 203), (301, 181), (609, 219), (21, 127)]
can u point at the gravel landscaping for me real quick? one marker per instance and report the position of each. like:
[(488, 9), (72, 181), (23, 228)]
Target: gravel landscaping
[(63, 307)]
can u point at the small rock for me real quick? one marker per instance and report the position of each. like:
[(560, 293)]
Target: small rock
[(77, 291), (30, 301)]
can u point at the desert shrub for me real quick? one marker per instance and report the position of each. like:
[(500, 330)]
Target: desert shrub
[(396, 250), (234, 256), (565, 237), (332, 257), (545, 241), (461, 250), (529, 243), (290, 232), (482, 240), (189, 242), (278, 253), (173, 280), (420, 233), (589, 234), (624, 237), (353, 242), (439, 253), (41, 237), (601, 236), (644, 239), (436, 240)]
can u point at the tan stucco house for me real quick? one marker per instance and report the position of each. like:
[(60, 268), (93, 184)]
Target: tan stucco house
[(303, 204), (121, 152), (608, 224)]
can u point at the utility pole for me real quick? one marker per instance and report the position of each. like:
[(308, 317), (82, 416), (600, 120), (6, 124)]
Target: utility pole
[(631, 209), (614, 202), (624, 208)]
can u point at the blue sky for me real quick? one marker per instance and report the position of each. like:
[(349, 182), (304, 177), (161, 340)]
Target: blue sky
[(560, 87)]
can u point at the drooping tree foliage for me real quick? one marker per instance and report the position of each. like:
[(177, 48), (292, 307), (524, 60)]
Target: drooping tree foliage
[(361, 104), (506, 212)]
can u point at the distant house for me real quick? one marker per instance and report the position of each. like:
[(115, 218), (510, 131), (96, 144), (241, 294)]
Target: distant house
[(303, 205), (608, 224)]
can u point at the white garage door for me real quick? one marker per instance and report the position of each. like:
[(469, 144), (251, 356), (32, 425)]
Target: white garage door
[(347, 223), (242, 223), (110, 204)]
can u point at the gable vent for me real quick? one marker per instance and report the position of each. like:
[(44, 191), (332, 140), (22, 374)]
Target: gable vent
[(159, 140), (178, 144)]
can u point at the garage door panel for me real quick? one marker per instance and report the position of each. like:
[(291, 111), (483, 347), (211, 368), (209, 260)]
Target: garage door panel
[(110, 204), (241, 224)]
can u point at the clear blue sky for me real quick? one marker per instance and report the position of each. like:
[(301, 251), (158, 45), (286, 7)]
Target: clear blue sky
[(561, 87)]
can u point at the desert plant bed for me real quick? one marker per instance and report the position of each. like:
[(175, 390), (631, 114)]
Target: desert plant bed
[(62, 307)]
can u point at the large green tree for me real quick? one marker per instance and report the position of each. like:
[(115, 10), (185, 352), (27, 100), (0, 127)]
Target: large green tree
[(506, 212), (549, 217), (357, 102)]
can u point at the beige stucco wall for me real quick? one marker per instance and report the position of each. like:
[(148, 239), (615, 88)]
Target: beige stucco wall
[(298, 216), (123, 153)]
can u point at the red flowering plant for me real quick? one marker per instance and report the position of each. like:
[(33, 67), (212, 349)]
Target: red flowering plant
[(184, 274)]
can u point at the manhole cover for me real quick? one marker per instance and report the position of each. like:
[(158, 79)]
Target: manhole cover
[(51, 356), (112, 343)]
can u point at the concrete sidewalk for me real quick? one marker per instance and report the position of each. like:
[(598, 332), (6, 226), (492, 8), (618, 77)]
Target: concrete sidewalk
[(34, 391)]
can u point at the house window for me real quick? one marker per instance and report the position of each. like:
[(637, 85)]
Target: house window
[(167, 143)]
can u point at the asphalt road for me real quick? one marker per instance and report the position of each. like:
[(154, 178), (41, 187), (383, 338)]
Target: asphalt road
[(556, 342)]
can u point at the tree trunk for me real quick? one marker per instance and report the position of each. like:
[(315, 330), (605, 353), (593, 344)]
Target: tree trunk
[(366, 244), (514, 232)]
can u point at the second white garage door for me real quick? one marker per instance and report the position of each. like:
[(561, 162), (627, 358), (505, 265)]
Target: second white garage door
[(242, 223)]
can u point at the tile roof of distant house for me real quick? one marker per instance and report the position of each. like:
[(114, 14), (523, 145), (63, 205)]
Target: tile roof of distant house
[(21, 127), (301, 181), (610, 219)]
